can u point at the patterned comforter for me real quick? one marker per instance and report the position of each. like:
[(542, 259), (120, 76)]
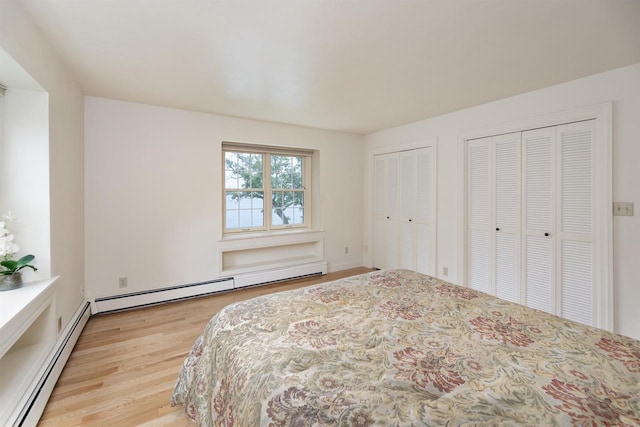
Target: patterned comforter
[(398, 348)]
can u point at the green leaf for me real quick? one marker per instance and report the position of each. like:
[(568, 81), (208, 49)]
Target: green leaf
[(9, 264), (22, 262)]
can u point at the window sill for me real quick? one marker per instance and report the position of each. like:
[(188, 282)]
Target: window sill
[(267, 234)]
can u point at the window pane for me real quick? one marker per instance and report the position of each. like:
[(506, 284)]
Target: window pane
[(244, 209), (287, 208), (257, 217), (256, 171), (243, 170), (297, 210), (232, 200), (286, 172), (257, 201)]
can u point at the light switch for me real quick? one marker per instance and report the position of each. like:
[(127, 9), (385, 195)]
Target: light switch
[(623, 208)]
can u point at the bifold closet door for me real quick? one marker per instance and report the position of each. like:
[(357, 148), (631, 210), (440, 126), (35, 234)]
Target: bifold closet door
[(507, 184), (425, 232), (417, 189), (408, 193), (479, 245), (538, 198), (386, 218), (404, 227), (494, 215), (575, 242), (530, 217)]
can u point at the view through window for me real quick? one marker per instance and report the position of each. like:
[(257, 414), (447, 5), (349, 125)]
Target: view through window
[(265, 190)]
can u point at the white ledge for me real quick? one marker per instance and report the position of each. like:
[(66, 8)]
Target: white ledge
[(266, 234), (17, 306)]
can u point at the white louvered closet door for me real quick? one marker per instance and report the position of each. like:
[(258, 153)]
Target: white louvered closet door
[(538, 197), (575, 231), (507, 216), (387, 219), (380, 212), (404, 227), (408, 202), (479, 249), (531, 219), (425, 212)]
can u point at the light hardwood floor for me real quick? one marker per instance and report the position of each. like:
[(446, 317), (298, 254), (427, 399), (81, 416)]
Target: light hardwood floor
[(124, 367)]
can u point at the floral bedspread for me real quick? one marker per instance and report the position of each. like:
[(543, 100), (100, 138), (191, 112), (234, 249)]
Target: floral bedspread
[(398, 348)]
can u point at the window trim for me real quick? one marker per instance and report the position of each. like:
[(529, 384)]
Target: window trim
[(267, 152)]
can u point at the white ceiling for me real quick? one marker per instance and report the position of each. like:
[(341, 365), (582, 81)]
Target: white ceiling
[(351, 65)]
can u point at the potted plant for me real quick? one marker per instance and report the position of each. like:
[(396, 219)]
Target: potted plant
[(10, 269)]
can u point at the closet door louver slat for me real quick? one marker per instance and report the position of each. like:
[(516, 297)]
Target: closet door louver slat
[(538, 273), (576, 278), (479, 260)]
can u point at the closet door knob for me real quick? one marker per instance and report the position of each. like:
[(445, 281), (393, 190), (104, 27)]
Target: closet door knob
[(546, 234), (387, 217), (497, 228), (409, 219)]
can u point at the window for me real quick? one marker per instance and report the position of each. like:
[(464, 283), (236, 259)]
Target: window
[(265, 188)]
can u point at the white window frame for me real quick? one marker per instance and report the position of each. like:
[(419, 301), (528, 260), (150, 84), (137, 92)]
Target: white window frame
[(267, 152)]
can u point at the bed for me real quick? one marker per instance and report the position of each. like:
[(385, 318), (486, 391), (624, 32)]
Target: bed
[(398, 348)]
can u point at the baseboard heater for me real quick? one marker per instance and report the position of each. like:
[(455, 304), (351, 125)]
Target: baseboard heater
[(32, 409), (177, 293), (158, 296)]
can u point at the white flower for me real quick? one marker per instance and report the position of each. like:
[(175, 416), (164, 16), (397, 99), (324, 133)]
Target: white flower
[(8, 217), (7, 247)]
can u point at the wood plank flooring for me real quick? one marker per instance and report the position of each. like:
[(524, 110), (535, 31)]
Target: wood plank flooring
[(124, 367)]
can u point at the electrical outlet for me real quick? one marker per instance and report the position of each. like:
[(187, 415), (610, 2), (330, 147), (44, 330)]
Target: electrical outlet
[(365, 248), (346, 249), (59, 324), (82, 292), (445, 271), (122, 282), (623, 208)]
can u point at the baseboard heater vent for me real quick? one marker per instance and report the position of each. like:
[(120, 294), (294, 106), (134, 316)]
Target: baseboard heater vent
[(280, 274), (34, 406), (158, 296)]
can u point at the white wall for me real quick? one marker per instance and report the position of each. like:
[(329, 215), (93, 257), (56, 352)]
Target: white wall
[(622, 87), (21, 39), (24, 175), (153, 192)]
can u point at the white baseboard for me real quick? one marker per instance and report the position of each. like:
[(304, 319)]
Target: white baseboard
[(31, 408), (177, 293), (158, 296)]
